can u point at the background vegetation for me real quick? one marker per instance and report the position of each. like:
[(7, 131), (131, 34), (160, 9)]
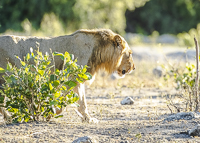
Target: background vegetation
[(68, 14), (170, 16), (56, 17)]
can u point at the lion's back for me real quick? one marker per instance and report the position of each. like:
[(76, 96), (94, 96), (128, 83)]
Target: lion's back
[(79, 44), (11, 46)]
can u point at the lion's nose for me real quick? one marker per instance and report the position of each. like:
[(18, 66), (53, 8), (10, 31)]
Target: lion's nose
[(133, 67), (123, 72)]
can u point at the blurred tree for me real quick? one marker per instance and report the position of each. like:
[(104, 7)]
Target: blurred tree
[(72, 13), (13, 12), (164, 16), (104, 13)]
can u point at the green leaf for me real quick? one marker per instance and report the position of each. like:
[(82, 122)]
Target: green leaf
[(50, 86), (2, 70), (70, 83), (54, 102), (62, 57), (41, 72), (59, 116), (71, 56), (18, 58), (69, 95), (64, 88), (27, 119), (27, 57), (1, 99), (50, 95), (32, 54), (13, 79), (26, 69), (79, 80), (8, 80), (57, 71), (56, 83), (59, 54), (83, 76), (84, 69), (53, 77), (67, 56), (89, 75), (9, 67), (57, 94), (22, 63), (75, 99)]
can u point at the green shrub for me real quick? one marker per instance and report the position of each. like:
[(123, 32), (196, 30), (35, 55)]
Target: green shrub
[(185, 78), (35, 91)]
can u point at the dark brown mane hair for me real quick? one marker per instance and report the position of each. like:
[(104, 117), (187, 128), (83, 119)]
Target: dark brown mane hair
[(106, 55)]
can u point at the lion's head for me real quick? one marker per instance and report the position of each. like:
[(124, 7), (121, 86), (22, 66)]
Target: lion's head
[(112, 54), (126, 66)]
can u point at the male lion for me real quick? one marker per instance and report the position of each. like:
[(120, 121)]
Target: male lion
[(98, 49)]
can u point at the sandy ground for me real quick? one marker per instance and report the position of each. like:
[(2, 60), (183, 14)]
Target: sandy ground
[(141, 122), (144, 121)]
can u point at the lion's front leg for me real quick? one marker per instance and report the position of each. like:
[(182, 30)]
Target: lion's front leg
[(80, 90), (7, 117)]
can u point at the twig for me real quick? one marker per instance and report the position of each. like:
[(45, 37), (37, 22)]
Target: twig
[(53, 60), (197, 76), (170, 109), (177, 108)]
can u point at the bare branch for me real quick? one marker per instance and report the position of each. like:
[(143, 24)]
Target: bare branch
[(197, 76), (170, 109)]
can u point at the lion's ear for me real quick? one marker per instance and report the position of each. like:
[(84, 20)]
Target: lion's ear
[(117, 40)]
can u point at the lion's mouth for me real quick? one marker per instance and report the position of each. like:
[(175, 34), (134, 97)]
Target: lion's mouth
[(118, 74)]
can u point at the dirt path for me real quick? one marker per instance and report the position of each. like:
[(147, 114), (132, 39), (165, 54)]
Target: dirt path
[(141, 122)]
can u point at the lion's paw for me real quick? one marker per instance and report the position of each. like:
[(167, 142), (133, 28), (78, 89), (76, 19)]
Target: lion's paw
[(87, 118), (8, 119), (94, 120), (90, 120)]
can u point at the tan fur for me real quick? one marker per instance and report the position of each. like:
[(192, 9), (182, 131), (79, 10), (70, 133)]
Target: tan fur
[(99, 49)]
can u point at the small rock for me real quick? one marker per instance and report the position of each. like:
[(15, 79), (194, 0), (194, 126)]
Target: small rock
[(124, 141), (158, 71), (127, 101), (195, 131), (85, 139), (182, 115)]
